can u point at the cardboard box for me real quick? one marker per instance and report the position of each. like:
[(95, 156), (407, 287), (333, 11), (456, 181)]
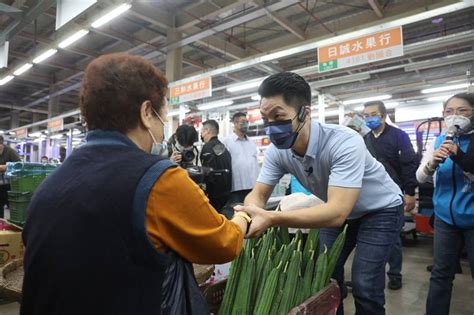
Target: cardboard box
[(11, 246)]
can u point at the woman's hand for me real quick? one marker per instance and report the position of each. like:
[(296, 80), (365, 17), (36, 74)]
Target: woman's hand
[(439, 156), (176, 157), (451, 147), (261, 219)]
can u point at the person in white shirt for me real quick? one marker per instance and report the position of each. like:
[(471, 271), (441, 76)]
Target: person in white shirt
[(243, 151)]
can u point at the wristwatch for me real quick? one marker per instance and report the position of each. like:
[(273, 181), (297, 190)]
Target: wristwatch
[(246, 217)]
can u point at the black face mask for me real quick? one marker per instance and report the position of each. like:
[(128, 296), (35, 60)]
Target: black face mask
[(244, 127)]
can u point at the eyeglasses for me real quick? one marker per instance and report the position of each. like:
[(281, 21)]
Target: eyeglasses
[(463, 111)]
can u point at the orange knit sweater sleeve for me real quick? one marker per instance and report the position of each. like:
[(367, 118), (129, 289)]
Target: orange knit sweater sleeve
[(180, 217)]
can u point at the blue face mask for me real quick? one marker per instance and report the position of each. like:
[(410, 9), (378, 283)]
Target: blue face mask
[(281, 133), (373, 122)]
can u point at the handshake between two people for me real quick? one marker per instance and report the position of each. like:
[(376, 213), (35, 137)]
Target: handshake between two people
[(262, 219)]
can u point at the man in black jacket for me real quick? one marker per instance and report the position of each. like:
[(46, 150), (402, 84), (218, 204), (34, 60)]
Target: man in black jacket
[(215, 155), (392, 147)]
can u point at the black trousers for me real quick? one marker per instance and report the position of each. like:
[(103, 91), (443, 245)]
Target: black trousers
[(218, 202), (3, 197)]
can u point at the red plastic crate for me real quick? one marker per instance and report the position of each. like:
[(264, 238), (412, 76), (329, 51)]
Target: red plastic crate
[(423, 224)]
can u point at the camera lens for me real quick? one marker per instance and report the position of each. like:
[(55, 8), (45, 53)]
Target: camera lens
[(188, 155)]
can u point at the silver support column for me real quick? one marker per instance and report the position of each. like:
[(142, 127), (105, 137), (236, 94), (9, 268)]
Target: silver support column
[(321, 109)]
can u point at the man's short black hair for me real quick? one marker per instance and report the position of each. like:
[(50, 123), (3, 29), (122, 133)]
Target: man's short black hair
[(379, 104), (186, 135), (238, 115), (295, 90), (1, 140), (212, 125)]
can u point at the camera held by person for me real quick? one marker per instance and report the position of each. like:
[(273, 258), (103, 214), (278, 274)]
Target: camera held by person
[(182, 148)]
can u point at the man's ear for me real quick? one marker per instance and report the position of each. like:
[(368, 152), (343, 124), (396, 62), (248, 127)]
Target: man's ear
[(307, 112)]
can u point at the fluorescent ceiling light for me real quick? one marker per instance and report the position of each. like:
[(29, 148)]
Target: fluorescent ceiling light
[(327, 113), (12, 133), (45, 55), (255, 97), (36, 134), (412, 113), (391, 104), (176, 112), (368, 99), (76, 132), (280, 54), (316, 107), (244, 86), (340, 80), (359, 108), (59, 136), (111, 15), (23, 69), (443, 61), (312, 45), (2, 132), (6, 79), (438, 98), (215, 104), (445, 88), (307, 70), (73, 38)]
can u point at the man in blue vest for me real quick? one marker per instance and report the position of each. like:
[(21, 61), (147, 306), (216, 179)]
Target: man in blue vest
[(114, 229)]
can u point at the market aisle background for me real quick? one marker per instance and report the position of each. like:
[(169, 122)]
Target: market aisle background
[(410, 300)]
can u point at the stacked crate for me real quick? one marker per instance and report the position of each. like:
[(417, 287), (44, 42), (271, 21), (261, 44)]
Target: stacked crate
[(24, 179)]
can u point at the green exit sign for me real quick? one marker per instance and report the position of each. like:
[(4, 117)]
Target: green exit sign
[(174, 100), (328, 65)]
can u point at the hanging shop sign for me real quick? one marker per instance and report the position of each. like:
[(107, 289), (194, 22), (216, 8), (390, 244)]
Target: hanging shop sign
[(365, 49), (21, 133), (56, 124), (190, 91)]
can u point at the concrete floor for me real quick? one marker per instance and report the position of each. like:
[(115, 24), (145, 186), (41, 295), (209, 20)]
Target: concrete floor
[(410, 300)]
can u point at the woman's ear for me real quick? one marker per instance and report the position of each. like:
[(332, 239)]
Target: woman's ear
[(146, 114)]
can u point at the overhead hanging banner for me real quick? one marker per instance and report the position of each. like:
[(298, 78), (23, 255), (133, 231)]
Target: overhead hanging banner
[(190, 91), (369, 48), (56, 124), (21, 133)]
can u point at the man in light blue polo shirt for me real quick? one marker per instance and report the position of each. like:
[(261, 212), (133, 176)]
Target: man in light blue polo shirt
[(244, 152), (333, 163)]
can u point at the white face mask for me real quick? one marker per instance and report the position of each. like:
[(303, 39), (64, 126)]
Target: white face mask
[(462, 122), (158, 148)]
